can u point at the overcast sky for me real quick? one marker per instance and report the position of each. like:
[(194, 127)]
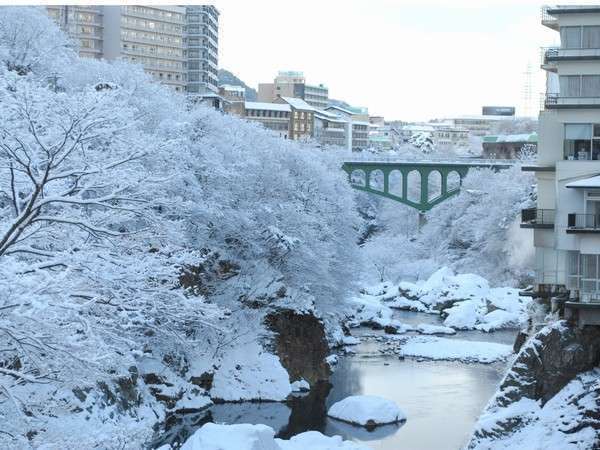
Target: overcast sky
[(404, 59)]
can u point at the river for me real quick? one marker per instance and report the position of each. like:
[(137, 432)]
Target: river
[(442, 399)]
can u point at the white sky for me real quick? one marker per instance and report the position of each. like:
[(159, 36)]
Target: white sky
[(404, 59)]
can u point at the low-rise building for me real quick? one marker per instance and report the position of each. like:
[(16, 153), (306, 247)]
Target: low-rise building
[(234, 98), (274, 116), (302, 119), (509, 146), (360, 124), (332, 130)]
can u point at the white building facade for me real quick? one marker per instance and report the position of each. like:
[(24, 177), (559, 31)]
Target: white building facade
[(202, 49), (566, 220)]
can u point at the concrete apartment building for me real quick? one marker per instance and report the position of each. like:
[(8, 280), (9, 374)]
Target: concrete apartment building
[(234, 98), (359, 119), (201, 39), (178, 46), (566, 220), (332, 130), (293, 84)]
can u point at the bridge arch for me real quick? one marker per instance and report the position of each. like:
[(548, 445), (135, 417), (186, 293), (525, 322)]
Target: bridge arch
[(395, 183), (434, 185), (376, 180), (358, 177), (413, 182), (453, 181)]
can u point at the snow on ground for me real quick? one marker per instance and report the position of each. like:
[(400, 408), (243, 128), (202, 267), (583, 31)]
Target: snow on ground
[(565, 422), (438, 348), (366, 410), (261, 437), (248, 373)]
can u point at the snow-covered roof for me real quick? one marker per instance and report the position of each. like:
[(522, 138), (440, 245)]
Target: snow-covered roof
[(360, 122), (339, 108), (298, 103), (591, 182), (502, 138), (268, 106), (418, 128), (324, 115), (232, 87)]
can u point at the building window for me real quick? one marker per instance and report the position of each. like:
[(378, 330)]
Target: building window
[(582, 141)]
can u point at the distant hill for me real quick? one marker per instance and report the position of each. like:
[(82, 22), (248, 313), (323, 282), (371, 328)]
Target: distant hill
[(226, 77)]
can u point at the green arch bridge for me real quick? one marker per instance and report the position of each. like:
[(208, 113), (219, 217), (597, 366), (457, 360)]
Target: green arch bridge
[(394, 177)]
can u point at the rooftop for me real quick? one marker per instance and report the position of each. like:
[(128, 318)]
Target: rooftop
[(572, 9), (298, 103), (505, 138), (590, 182), (268, 106), (232, 87)]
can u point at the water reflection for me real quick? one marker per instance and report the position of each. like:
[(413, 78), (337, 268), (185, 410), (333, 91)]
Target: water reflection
[(442, 400)]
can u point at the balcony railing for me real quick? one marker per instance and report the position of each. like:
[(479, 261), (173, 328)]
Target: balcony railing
[(551, 54), (547, 19), (556, 101), (584, 223), (537, 218)]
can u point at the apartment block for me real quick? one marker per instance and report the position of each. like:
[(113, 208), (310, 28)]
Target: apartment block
[(330, 129), (359, 119), (273, 116), (178, 46), (233, 98), (302, 118), (82, 23), (202, 49), (566, 219), (293, 84)]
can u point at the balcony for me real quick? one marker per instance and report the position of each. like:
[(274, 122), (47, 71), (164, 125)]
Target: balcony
[(550, 55), (558, 101), (537, 218), (583, 223), (547, 19)]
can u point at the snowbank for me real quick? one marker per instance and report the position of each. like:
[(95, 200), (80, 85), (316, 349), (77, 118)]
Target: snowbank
[(261, 437), (366, 410), (564, 422), (454, 349)]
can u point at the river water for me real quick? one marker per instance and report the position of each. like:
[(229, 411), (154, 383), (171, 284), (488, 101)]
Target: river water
[(442, 399)]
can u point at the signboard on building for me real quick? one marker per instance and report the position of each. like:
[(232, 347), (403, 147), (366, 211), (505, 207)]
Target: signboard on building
[(498, 110)]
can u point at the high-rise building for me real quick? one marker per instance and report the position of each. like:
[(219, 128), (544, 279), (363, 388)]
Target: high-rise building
[(293, 84), (202, 49), (82, 23), (566, 220), (178, 46), (148, 35)]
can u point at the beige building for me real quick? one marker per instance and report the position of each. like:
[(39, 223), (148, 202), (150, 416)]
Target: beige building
[(566, 220), (148, 35), (291, 118), (84, 24), (234, 98), (293, 84), (178, 46)]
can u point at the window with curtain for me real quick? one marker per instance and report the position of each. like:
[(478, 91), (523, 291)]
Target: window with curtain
[(591, 37), (589, 273), (578, 131), (570, 37), (590, 86), (570, 85)]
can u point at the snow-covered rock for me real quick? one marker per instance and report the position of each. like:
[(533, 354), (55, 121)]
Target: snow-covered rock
[(426, 328), (300, 386), (261, 437), (259, 376), (455, 349), (350, 340), (366, 410), (313, 440), (232, 437)]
